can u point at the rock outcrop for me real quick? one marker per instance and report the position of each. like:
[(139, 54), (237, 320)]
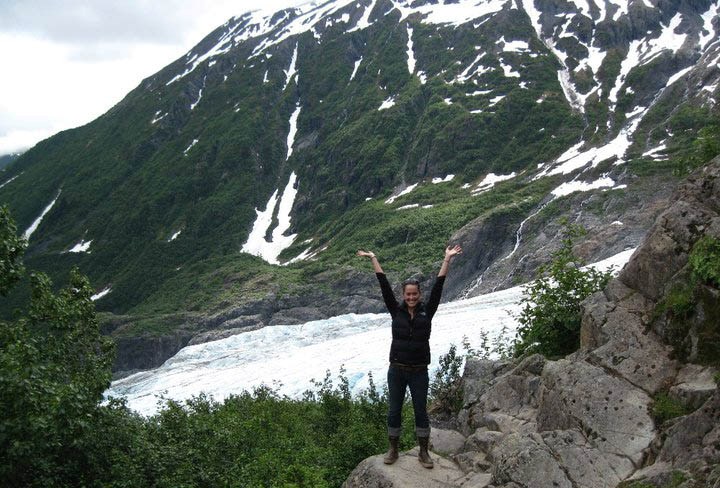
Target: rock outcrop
[(590, 420)]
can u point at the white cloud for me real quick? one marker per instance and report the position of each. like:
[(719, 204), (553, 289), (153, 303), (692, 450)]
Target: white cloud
[(67, 62)]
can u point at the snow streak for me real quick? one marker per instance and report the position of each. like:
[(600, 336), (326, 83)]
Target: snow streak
[(33, 227), (291, 71), (293, 130), (410, 53)]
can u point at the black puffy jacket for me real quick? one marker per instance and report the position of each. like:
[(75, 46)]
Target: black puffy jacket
[(411, 336)]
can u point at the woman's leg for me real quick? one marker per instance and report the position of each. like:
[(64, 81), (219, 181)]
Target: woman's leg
[(418, 383), (397, 383)]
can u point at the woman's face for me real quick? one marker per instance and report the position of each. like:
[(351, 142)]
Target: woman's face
[(411, 295)]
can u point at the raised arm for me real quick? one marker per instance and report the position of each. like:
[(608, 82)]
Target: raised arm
[(436, 292), (387, 293), (450, 252), (373, 259)]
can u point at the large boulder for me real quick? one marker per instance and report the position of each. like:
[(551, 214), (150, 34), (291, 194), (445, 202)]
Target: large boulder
[(610, 412), (407, 472)]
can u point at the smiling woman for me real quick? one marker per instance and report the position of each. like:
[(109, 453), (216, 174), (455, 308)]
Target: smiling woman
[(410, 353)]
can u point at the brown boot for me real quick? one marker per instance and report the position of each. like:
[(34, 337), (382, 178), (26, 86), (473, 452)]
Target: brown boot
[(424, 455), (392, 454)]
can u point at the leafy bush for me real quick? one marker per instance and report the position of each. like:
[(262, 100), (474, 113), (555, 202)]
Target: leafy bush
[(446, 392), (703, 148), (705, 260), (446, 388), (551, 314), (54, 368), (665, 408), (12, 248)]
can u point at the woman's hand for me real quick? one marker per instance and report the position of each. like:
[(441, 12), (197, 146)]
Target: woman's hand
[(373, 259), (367, 254), (451, 252)]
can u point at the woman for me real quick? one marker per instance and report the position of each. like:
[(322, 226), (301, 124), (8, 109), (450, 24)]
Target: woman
[(410, 353)]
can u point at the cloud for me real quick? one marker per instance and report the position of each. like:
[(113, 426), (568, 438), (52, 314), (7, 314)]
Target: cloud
[(80, 21), (68, 61)]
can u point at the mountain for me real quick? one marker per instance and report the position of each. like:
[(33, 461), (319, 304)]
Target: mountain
[(232, 188), (6, 159)]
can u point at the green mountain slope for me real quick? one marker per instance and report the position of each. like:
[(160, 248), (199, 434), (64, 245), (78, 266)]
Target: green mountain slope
[(360, 100)]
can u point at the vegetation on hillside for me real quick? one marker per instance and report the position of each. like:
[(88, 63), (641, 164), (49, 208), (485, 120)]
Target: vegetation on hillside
[(129, 184)]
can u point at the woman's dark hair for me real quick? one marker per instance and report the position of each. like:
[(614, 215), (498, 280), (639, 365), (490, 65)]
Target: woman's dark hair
[(411, 281)]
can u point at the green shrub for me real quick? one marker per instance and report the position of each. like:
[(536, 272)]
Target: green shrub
[(679, 301), (551, 315), (665, 408), (446, 391), (12, 248), (705, 261), (703, 148), (54, 368)]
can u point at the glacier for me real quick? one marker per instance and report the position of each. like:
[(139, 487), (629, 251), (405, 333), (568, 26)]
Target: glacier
[(289, 357)]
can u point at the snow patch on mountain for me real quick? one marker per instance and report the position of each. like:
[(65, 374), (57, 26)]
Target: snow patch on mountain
[(10, 180), (193, 105), (657, 153), (309, 16), (293, 130), (469, 72), (571, 94), (574, 159), (456, 14), (364, 21), (582, 186), (514, 46), (403, 192), (291, 71), (355, 68), (81, 246), (195, 141), (490, 180), (224, 44), (158, 117), (712, 13), (100, 294), (257, 244), (447, 179), (33, 227), (387, 103), (678, 75), (645, 50), (508, 70), (410, 53)]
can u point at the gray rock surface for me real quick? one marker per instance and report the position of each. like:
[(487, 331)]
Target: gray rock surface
[(527, 461), (407, 472), (694, 385), (610, 412), (446, 442)]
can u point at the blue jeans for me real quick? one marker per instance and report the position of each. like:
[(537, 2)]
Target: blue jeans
[(399, 378)]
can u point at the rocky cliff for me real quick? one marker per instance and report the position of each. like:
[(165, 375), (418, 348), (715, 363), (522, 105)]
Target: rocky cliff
[(595, 418)]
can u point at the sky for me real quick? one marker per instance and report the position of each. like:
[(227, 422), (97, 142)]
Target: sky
[(66, 62)]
